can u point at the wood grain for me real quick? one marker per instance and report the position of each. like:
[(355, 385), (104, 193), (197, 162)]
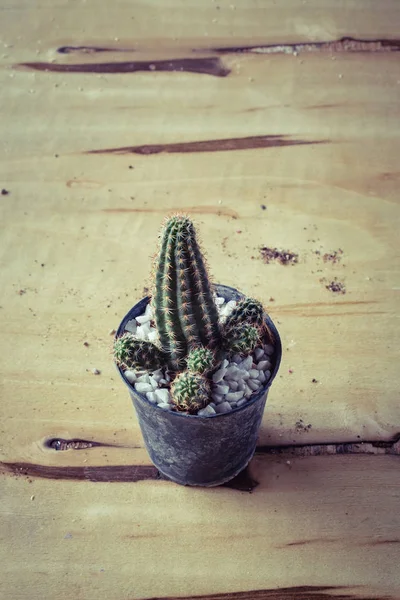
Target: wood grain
[(273, 125), (317, 527)]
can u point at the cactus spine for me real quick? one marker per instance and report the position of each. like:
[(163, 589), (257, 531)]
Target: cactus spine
[(185, 313)]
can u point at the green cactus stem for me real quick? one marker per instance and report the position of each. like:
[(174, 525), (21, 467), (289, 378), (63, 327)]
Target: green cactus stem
[(247, 310), (190, 392), (242, 339), (184, 308), (132, 353), (200, 360)]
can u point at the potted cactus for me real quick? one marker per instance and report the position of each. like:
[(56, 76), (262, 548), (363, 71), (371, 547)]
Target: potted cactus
[(198, 360)]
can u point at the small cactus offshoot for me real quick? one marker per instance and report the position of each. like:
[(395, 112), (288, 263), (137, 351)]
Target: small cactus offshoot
[(247, 310), (200, 360), (190, 392), (242, 339), (131, 353)]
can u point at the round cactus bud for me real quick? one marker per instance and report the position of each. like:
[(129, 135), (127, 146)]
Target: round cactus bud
[(190, 392), (131, 353), (200, 360), (247, 310), (242, 339)]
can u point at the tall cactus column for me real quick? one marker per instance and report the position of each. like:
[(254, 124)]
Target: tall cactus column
[(185, 313)]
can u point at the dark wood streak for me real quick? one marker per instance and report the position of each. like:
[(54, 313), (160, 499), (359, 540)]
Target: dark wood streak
[(304, 592), (59, 444), (205, 66), (390, 447), (116, 473), (325, 541), (383, 542), (344, 44), (90, 49), (223, 145), (109, 474), (242, 482)]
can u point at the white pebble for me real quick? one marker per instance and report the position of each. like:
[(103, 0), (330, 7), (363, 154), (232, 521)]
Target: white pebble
[(151, 396), (228, 308), (221, 389), (267, 375), (157, 375), (145, 327), (225, 363), (143, 387), (164, 406), (141, 333), (163, 381), (152, 335), (212, 405), (219, 301), (261, 377), (241, 385), (224, 407), (263, 365), (246, 363), (241, 402), (233, 385), (167, 377), (219, 375), (207, 411), (234, 396), (149, 310), (130, 376), (253, 384), (236, 358), (144, 378), (153, 383), (248, 392), (143, 319), (253, 373), (232, 372), (243, 374), (258, 353), (131, 326), (268, 349), (217, 398), (162, 395)]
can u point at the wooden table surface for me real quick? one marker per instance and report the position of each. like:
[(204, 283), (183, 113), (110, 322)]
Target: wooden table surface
[(271, 128)]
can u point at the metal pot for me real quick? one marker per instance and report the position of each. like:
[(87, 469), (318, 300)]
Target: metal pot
[(201, 451)]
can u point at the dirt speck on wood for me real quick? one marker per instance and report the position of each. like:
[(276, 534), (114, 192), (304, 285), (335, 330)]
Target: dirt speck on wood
[(333, 257), (337, 287), (284, 257)]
